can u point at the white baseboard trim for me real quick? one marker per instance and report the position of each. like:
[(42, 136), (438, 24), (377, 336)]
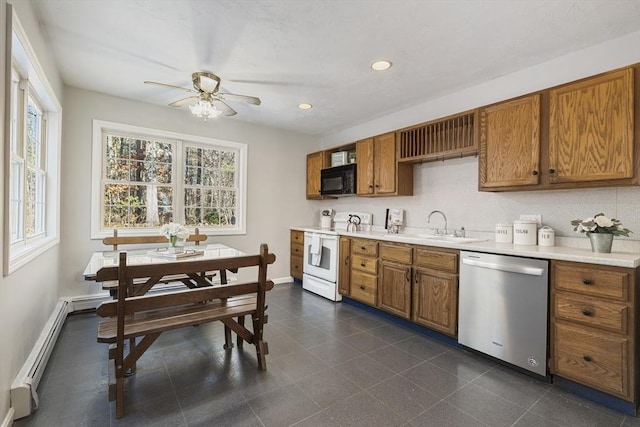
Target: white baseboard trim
[(281, 280), (8, 419)]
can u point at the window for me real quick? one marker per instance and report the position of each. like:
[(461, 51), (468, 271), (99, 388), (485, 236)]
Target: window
[(32, 147), (143, 178)]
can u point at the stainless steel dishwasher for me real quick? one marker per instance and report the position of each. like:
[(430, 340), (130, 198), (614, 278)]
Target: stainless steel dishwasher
[(503, 308)]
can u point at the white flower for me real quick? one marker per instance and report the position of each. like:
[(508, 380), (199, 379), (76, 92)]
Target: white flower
[(174, 229), (603, 221)]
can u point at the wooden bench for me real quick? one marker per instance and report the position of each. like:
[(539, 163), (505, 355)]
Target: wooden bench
[(147, 316)]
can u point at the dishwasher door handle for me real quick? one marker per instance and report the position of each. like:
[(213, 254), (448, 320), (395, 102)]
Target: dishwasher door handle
[(531, 271)]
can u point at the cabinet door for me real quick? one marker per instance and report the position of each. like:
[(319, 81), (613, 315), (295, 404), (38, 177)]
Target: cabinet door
[(314, 165), (364, 160), (435, 300), (384, 156), (510, 143), (344, 275), (394, 289), (591, 129)]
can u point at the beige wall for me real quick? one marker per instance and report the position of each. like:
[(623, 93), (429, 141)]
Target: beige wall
[(276, 178), (28, 296)]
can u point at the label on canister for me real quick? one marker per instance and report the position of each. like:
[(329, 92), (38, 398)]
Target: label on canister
[(546, 236), (504, 232), (524, 232)]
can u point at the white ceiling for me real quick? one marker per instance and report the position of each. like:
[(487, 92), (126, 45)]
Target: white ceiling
[(318, 51)]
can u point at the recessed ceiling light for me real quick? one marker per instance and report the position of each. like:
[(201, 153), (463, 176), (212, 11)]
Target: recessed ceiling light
[(305, 106), (381, 65)]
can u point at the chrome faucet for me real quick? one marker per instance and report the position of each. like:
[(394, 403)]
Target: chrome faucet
[(445, 221)]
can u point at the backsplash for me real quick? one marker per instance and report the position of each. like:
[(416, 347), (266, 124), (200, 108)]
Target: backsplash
[(452, 187)]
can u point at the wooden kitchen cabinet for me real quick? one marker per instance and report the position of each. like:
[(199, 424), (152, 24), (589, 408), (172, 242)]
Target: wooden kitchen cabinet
[(379, 173), (297, 248), (344, 268), (578, 135), (591, 129), (315, 163), (435, 289), (510, 143), (593, 327), (394, 279), (364, 271)]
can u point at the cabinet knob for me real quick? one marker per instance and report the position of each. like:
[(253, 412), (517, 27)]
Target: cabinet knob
[(534, 173), (586, 358), (587, 312), (362, 287), (552, 170), (362, 264), (370, 186), (586, 281), (408, 275), (377, 186), (346, 260), (362, 248)]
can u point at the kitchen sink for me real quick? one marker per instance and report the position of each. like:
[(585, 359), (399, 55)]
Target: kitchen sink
[(452, 239)]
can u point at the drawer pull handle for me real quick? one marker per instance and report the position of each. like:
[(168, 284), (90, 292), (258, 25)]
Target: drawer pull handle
[(362, 287), (586, 281), (363, 248), (587, 312), (346, 260), (362, 264), (586, 358)]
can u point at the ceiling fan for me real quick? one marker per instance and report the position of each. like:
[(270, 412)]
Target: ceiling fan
[(207, 101)]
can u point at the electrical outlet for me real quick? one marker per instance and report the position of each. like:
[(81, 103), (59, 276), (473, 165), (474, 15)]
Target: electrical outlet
[(537, 218)]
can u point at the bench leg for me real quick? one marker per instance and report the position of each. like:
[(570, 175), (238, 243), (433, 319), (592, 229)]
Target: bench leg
[(119, 397), (228, 342), (239, 340)]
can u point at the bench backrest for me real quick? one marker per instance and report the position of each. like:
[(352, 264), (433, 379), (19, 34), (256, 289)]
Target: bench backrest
[(116, 240), (127, 273)]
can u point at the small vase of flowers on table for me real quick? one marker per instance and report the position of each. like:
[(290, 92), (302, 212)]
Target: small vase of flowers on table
[(600, 230), (174, 232)]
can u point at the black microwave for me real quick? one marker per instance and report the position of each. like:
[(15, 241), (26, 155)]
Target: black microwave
[(338, 181)]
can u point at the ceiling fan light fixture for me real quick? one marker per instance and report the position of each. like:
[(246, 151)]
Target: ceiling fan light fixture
[(305, 106), (381, 65), (204, 109)]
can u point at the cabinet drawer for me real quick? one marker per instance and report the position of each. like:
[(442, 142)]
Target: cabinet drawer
[(396, 253), (297, 237), (364, 247), (591, 311), (364, 263), (296, 267), (297, 249), (592, 358), (596, 281), (443, 261), (364, 287)]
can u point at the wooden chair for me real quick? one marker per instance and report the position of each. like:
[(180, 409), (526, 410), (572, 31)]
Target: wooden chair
[(146, 317)]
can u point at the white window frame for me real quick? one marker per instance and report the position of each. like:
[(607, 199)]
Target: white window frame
[(33, 80), (101, 127)]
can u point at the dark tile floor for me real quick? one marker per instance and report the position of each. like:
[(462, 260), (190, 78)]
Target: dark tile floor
[(330, 365)]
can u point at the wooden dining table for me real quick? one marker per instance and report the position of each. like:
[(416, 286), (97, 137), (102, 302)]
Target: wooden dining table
[(103, 266)]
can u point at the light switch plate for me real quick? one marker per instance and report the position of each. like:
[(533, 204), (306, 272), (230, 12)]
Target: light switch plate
[(537, 218)]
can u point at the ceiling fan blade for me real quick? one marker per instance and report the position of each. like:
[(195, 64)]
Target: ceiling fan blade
[(184, 101), (171, 86), (240, 98), (226, 110)]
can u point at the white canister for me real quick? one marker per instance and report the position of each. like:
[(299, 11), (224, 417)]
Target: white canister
[(325, 221), (546, 236), (504, 232), (524, 232)]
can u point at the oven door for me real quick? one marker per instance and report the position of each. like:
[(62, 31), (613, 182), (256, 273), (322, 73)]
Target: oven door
[(326, 267)]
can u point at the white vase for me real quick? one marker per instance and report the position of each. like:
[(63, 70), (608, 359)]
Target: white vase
[(601, 242)]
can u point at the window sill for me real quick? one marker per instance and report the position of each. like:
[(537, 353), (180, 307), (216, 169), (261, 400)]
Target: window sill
[(19, 258)]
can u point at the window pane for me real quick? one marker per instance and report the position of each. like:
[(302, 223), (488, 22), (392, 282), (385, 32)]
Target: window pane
[(137, 160), (34, 135), (30, 196), (14, 113), (16, 202), (127, 205)]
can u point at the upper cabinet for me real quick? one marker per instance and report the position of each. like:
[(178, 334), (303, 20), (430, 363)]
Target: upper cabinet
[(315, 162), (581, 134), (591, 129), (510, 143), (379, 173)]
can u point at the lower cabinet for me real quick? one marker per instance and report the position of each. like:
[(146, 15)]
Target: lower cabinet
[(394, 279), (593, 327), (364, 271), (435, 300), (344, 269), (297, 248)]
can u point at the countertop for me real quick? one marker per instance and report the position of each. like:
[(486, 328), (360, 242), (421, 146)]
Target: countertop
[(562, 253)]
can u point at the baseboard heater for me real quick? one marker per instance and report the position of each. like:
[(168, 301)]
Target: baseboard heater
[(23, 390)]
